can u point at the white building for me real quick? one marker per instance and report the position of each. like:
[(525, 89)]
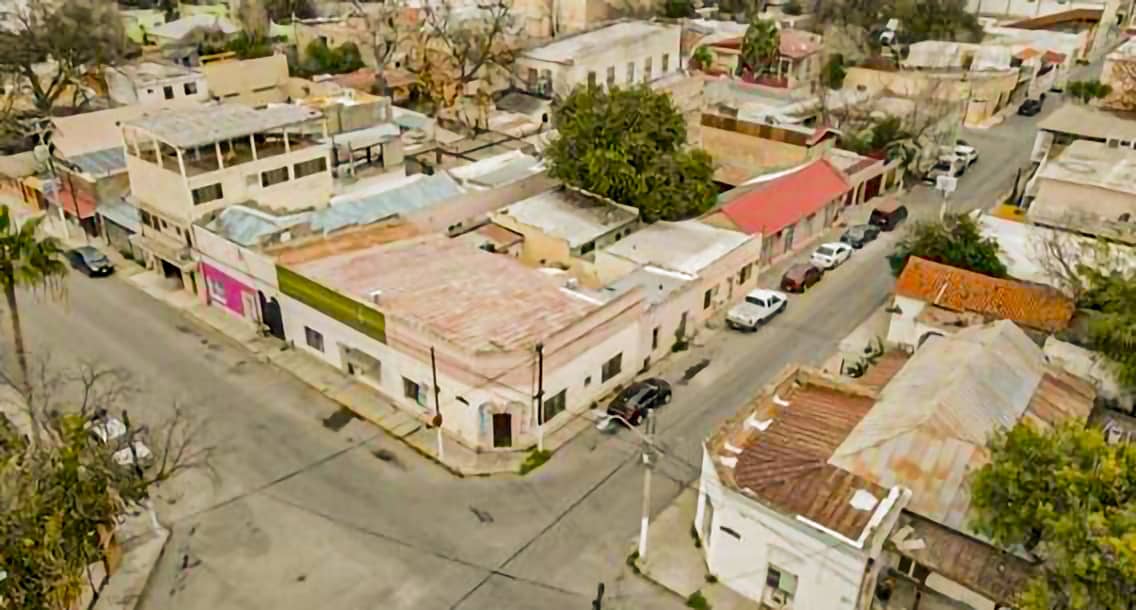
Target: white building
[(1090, 188), (625, 53), (155, 84)]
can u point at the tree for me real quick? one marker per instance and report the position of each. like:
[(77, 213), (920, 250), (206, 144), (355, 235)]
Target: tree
[(1110, 305), (27, 260), (76, 35), (793, 7), (833, 73), (920, 19), (282, 11), (629, 145), (1088, 90), (460, 45), (702, 58), (1069, 498), (323, 60), (678, 9), (955, 241), (60, 501), (761, 46)]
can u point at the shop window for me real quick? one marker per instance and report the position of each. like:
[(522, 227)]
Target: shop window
[(205, 194), (314, 338), (274, 176), (313, 166)]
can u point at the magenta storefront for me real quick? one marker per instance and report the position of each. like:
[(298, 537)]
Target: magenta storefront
[(229, 293)]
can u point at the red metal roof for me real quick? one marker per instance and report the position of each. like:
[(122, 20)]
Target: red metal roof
[(786, 200)]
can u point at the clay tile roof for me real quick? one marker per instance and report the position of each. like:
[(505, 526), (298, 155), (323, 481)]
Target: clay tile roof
[(796, 44), (1033, 306), (1027, 53), (785, 201), (1053, 57)]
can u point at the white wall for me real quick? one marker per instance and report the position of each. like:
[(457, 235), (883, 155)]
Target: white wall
[(243, 264), (904, 330), (565, 77), (829, 573), (123, 90), (241, 183)]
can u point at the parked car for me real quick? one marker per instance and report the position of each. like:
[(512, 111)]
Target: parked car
[(944, 168), (633, 402), (89, 261), (888, 215), (759, 307), (858, 235), (1030, 107), (800, 277), (965, 153), (831, 255)]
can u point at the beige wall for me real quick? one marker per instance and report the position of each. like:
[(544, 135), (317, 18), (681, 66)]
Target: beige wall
[(757, 154), (253, 82), (161, 189), (1057, 200), (478, 204)]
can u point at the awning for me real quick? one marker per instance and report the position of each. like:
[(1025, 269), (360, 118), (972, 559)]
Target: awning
[(122, 214)]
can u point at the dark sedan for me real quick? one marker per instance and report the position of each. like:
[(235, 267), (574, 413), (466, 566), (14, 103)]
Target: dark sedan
[(858, 235), (89, 261), (1029, 107), (632, 403)]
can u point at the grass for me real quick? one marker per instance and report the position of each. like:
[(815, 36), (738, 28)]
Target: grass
[(535, 459), (697, 601), (632, 560)]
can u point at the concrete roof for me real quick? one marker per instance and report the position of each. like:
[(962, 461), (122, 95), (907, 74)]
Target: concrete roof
[(566, 49), (937, 54), (571, 215), (190, 127), (1090, 122), (477, 301), (19, 165), (1094, 164), (498, 170), (152, 71), (415, 193), (92, 131), (688, 246), (246, 226), (656, 284), (179, 28)]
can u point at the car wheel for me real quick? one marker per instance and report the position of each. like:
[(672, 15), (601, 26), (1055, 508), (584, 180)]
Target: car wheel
[(667, 398)]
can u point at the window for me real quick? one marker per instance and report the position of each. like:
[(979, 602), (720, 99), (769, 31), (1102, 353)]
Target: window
[(190, 88), (274, 176), (412, 389), (591, 78), (216, 289), (647, 70), (553, 406), (168, 91), (781, 580), (707, 299), (205, 194), (312, 166), (314, 338), (147, 219), (666, 62), (655, 338), (630, 72), (611, 76), (588, 247), (252, 180), (587, 381), (611, 368), (532, 77), (744, 274)]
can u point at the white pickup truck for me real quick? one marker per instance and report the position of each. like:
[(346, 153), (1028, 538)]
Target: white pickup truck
[(758, 308)]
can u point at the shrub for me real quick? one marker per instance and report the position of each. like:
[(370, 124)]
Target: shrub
[(697, 601), (535, 459)]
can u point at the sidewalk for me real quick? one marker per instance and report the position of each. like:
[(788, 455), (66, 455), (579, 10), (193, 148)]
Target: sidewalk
[(676, 564), (142, 545)]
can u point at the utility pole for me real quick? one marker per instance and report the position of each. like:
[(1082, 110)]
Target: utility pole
[(540, 397), (597, 603), (437, 406), (648, 465)]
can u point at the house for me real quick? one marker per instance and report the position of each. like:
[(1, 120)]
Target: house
[(798, 61), (184, 164), (88, 181), (936, 299), (789, 212), (1088, 188), (972, 96), (252, 82), (154, 84), (565, 227), (623, 53), (1072, 122), (15, 170), (743, 148), (367, 311), (819, 522), (688, 270)]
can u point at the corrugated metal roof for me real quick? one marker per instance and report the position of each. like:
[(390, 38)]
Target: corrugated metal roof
[(100, 163), (189, 127), (122, 213), (424, 192), (246, 226)]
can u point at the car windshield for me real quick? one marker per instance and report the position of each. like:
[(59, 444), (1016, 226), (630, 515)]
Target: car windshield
[(942, 165), (92, 256), (759, 301), (826, 251)]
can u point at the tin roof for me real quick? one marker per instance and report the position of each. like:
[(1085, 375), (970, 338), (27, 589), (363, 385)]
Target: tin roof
[(1033, 306), (417, 193), (477, 301), (190, 127), (100, 163)]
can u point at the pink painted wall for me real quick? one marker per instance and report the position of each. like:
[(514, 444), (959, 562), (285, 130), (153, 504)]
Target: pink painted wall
[(233, 289)]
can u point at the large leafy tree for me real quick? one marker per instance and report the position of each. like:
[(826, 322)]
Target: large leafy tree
[(629, 145), (75, 35), (920, 19), (1088, 90), (955, 241), (27, 260), (1068, 498), (761, 46), (1110, 305)]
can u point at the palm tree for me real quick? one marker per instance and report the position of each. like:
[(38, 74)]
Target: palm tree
[(27, 261), (761, 45)]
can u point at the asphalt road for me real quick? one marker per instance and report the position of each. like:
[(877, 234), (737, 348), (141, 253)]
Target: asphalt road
[(299, 516)]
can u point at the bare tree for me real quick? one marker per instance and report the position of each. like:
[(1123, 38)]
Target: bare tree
[(390, 32), (1071, 261)]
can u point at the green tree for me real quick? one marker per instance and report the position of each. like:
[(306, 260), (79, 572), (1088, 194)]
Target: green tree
[(833, 73), (27, 260), (761, 46), (629, 145), (677, 9), (1069, 498), (955, 241), (1088, 90), (322, 59), (1110, 305), (702, 58)]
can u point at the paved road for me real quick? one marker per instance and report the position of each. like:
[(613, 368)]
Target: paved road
[(300, 516)]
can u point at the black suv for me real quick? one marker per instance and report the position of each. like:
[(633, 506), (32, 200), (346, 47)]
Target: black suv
[(632, 403)]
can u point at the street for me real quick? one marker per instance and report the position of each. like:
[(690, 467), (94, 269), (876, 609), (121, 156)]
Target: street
[(299, 515)]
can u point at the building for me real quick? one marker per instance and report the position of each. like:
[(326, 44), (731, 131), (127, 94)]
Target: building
[(565, 227), (184, 164), (253, 82), (192, 30), (789, 212), (1119, 72), (1073, 122), (469, 343), (623, 53), (743, 149), (798, 61), (823, 487), (1088, 188), (154, 84), (971, 96), (936, 299), (86, 182), (688, 271)]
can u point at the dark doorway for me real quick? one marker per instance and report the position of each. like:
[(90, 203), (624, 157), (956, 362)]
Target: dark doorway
[(502, 430), (272, 318), (872, 188), (170, 271)]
